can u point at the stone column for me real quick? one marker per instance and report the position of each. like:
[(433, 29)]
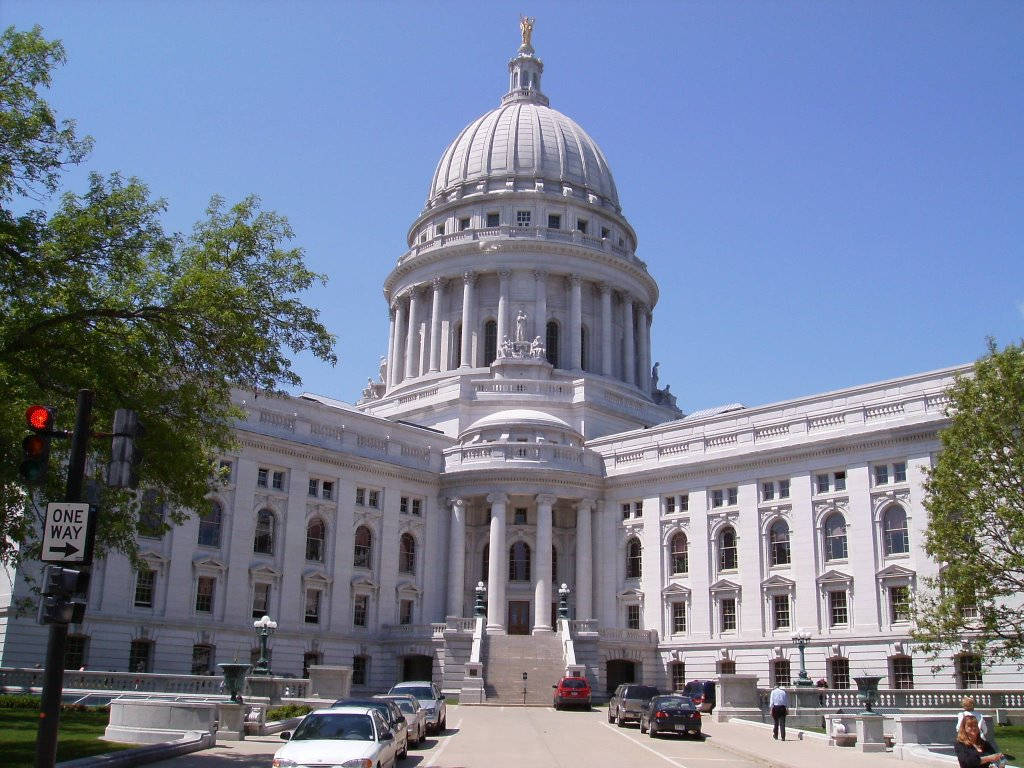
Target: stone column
[(540, 311), (391, 345), (435, 324), (468, 317), (643, 338), (411, 337), (542, 574), (397, 362), (504, 279), (497, 565), (606, 329), (456, 557), (629, 347), (575, 322), (584, 561)]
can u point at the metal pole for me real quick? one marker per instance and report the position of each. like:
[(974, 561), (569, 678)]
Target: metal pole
[(53, 675)]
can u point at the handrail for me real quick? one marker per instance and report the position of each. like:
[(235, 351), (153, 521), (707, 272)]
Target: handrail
[(478, 635), (568, 649)]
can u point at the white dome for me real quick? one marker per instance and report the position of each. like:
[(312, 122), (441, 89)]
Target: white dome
[(519, 417), (527, 139)]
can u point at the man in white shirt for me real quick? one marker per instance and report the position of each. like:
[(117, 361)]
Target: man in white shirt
[(779, 702)]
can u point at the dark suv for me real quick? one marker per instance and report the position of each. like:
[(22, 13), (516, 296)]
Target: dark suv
[(627, 703)]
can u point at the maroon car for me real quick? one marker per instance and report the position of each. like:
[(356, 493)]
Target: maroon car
[(670, 714)]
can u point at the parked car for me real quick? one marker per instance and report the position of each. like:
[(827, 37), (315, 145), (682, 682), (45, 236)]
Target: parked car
[(393, 717), (627, 703), (671, 713), (574, 691), (339, 736), (430, 699), (414, 713), (702, 692)]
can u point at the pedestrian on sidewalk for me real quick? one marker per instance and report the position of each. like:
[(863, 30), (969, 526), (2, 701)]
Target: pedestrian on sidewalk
[(779, 702), (968, 711)]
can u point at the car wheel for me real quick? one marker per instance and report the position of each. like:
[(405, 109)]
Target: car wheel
[(405, 752), (443, 724), (643, 728), (619, 721), (652, 733), (611, 717)]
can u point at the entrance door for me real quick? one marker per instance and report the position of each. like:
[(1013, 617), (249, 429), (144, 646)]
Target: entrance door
[(519, 617), (619, 671)]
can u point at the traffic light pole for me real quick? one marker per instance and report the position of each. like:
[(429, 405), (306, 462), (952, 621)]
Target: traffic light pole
[(53, 675)]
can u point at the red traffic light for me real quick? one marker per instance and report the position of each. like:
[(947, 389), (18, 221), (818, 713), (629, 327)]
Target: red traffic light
[(39, 418)]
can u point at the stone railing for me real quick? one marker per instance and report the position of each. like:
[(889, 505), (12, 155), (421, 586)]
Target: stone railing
[(551, 455), (549, 390), (423, 631), (634, 636), (459, 624), (539, 233), (577, 626), (908, 699)]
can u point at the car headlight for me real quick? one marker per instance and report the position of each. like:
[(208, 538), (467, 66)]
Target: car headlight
[(359, 762)]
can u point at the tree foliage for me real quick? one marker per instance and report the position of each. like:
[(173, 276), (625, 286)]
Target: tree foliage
[(97, 295), (975, 509)]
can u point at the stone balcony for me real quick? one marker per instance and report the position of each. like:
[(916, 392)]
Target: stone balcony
[(501, 454)]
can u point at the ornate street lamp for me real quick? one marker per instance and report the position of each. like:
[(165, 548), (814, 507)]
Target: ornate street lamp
[(264, 628), (563, 601), (802, 638), (480, 607)]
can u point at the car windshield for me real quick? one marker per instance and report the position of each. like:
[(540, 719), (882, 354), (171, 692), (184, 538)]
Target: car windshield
[(419, 693), (348, 727), (640, 692), (405, 705), (378, 704), (574, 682), (676, 702)]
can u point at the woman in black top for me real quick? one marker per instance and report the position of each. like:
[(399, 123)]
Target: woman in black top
[(973, 751)]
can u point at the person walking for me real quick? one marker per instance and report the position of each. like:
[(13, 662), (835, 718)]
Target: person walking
[(779, 702)]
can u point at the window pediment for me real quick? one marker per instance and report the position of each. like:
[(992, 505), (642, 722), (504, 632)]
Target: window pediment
[(675, 590), (408, 589), (895, 572), (262, 571), (778, 582), (631, 594), (155, 559), (834, 577), (724, 585), (363, 584), (204, 563), (315, 576)]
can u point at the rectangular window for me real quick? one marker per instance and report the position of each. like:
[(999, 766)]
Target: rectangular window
[(403, 505), (140, 656), (733, 496), (581, 225), (463, 224), (902, 673), (783, 489), (899, 603), (728, 609), (314, 487), (260, 600), (780, 673), (605, 233), (684, 503), (626, 508), (678, 618), (519, 516), (75, 650), (840, 481), (968, 668), (638, 509), (493, 220), (670, 505), (780, 611), (823, 483), (417, 507), (881, 474), (312, 606), (277, 481), (145, 583), (202, 659), (837, 611), (839, 673), (360, 668), (405, 612), (373, 499), (554, 221), (767, 491), (360, 610), (328, 490), (522, 218), (899, 472), (360, 497), (632, 617), (261, 477), (717, 498), (439, 230), (151, 515), (204, 594)]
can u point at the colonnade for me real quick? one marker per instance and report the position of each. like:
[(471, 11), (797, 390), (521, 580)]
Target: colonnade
[(497, 564), (415, 337)]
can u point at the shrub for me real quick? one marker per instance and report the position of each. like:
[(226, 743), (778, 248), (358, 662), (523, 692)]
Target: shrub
[(287, 712)]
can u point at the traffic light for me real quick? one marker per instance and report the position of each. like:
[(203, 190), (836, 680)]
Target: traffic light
[(125, 454), (36, 446), (64, 595)]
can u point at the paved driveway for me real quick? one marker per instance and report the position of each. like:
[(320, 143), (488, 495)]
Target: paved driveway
[(512, 737)]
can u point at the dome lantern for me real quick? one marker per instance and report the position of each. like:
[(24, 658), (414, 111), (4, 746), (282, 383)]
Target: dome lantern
[(525, 70)]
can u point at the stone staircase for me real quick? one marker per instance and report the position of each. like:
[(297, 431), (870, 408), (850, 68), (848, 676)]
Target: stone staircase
[(506, 657)]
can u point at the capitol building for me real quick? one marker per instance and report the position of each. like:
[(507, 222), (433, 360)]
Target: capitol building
[(517, 436)]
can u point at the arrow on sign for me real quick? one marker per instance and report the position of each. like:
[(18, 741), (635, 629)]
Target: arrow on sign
[(68, 549)]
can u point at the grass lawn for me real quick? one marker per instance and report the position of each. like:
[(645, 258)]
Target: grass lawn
[(79, 736), (1010, 738)]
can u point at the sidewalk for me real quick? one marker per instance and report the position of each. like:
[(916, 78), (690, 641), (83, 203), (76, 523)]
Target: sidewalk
[(754, 741)]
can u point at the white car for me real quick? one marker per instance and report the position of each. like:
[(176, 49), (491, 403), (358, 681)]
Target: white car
[(430, 699), (344, 737), (415, 715)]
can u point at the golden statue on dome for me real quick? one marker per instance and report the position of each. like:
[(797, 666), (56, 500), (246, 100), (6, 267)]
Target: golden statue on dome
[(526, 27)]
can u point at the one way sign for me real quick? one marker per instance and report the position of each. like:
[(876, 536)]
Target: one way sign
[(69, 532)]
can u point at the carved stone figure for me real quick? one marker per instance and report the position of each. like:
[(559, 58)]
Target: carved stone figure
[(536, 348), (526, 28), (382, 366), (521, 326), (654, 376)]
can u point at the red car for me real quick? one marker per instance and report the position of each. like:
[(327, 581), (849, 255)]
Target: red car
[(572, 691)]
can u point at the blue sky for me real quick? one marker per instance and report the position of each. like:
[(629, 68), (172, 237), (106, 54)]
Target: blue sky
[(828, 193)]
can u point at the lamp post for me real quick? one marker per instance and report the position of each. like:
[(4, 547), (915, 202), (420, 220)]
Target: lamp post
[(563, 601), (802, 638), (264, 628), (480, 607)]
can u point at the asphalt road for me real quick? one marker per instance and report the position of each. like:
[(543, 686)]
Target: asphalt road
[(512, 737)]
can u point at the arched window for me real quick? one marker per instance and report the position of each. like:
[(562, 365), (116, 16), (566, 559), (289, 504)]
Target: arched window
[(490, 342), (407, 554), (894, 531), (363, 552), (728, 559), (519, 562), (584, 360), (209, 525), (634, 554), (264, 539), (554, 565), (835, 537), (678, 553), (485, 562), (778, 541), (456, 347), (551, 339), (316, 534)]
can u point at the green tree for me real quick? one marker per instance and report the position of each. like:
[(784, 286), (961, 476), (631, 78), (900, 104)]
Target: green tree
[(975, 509), (97, 295)]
